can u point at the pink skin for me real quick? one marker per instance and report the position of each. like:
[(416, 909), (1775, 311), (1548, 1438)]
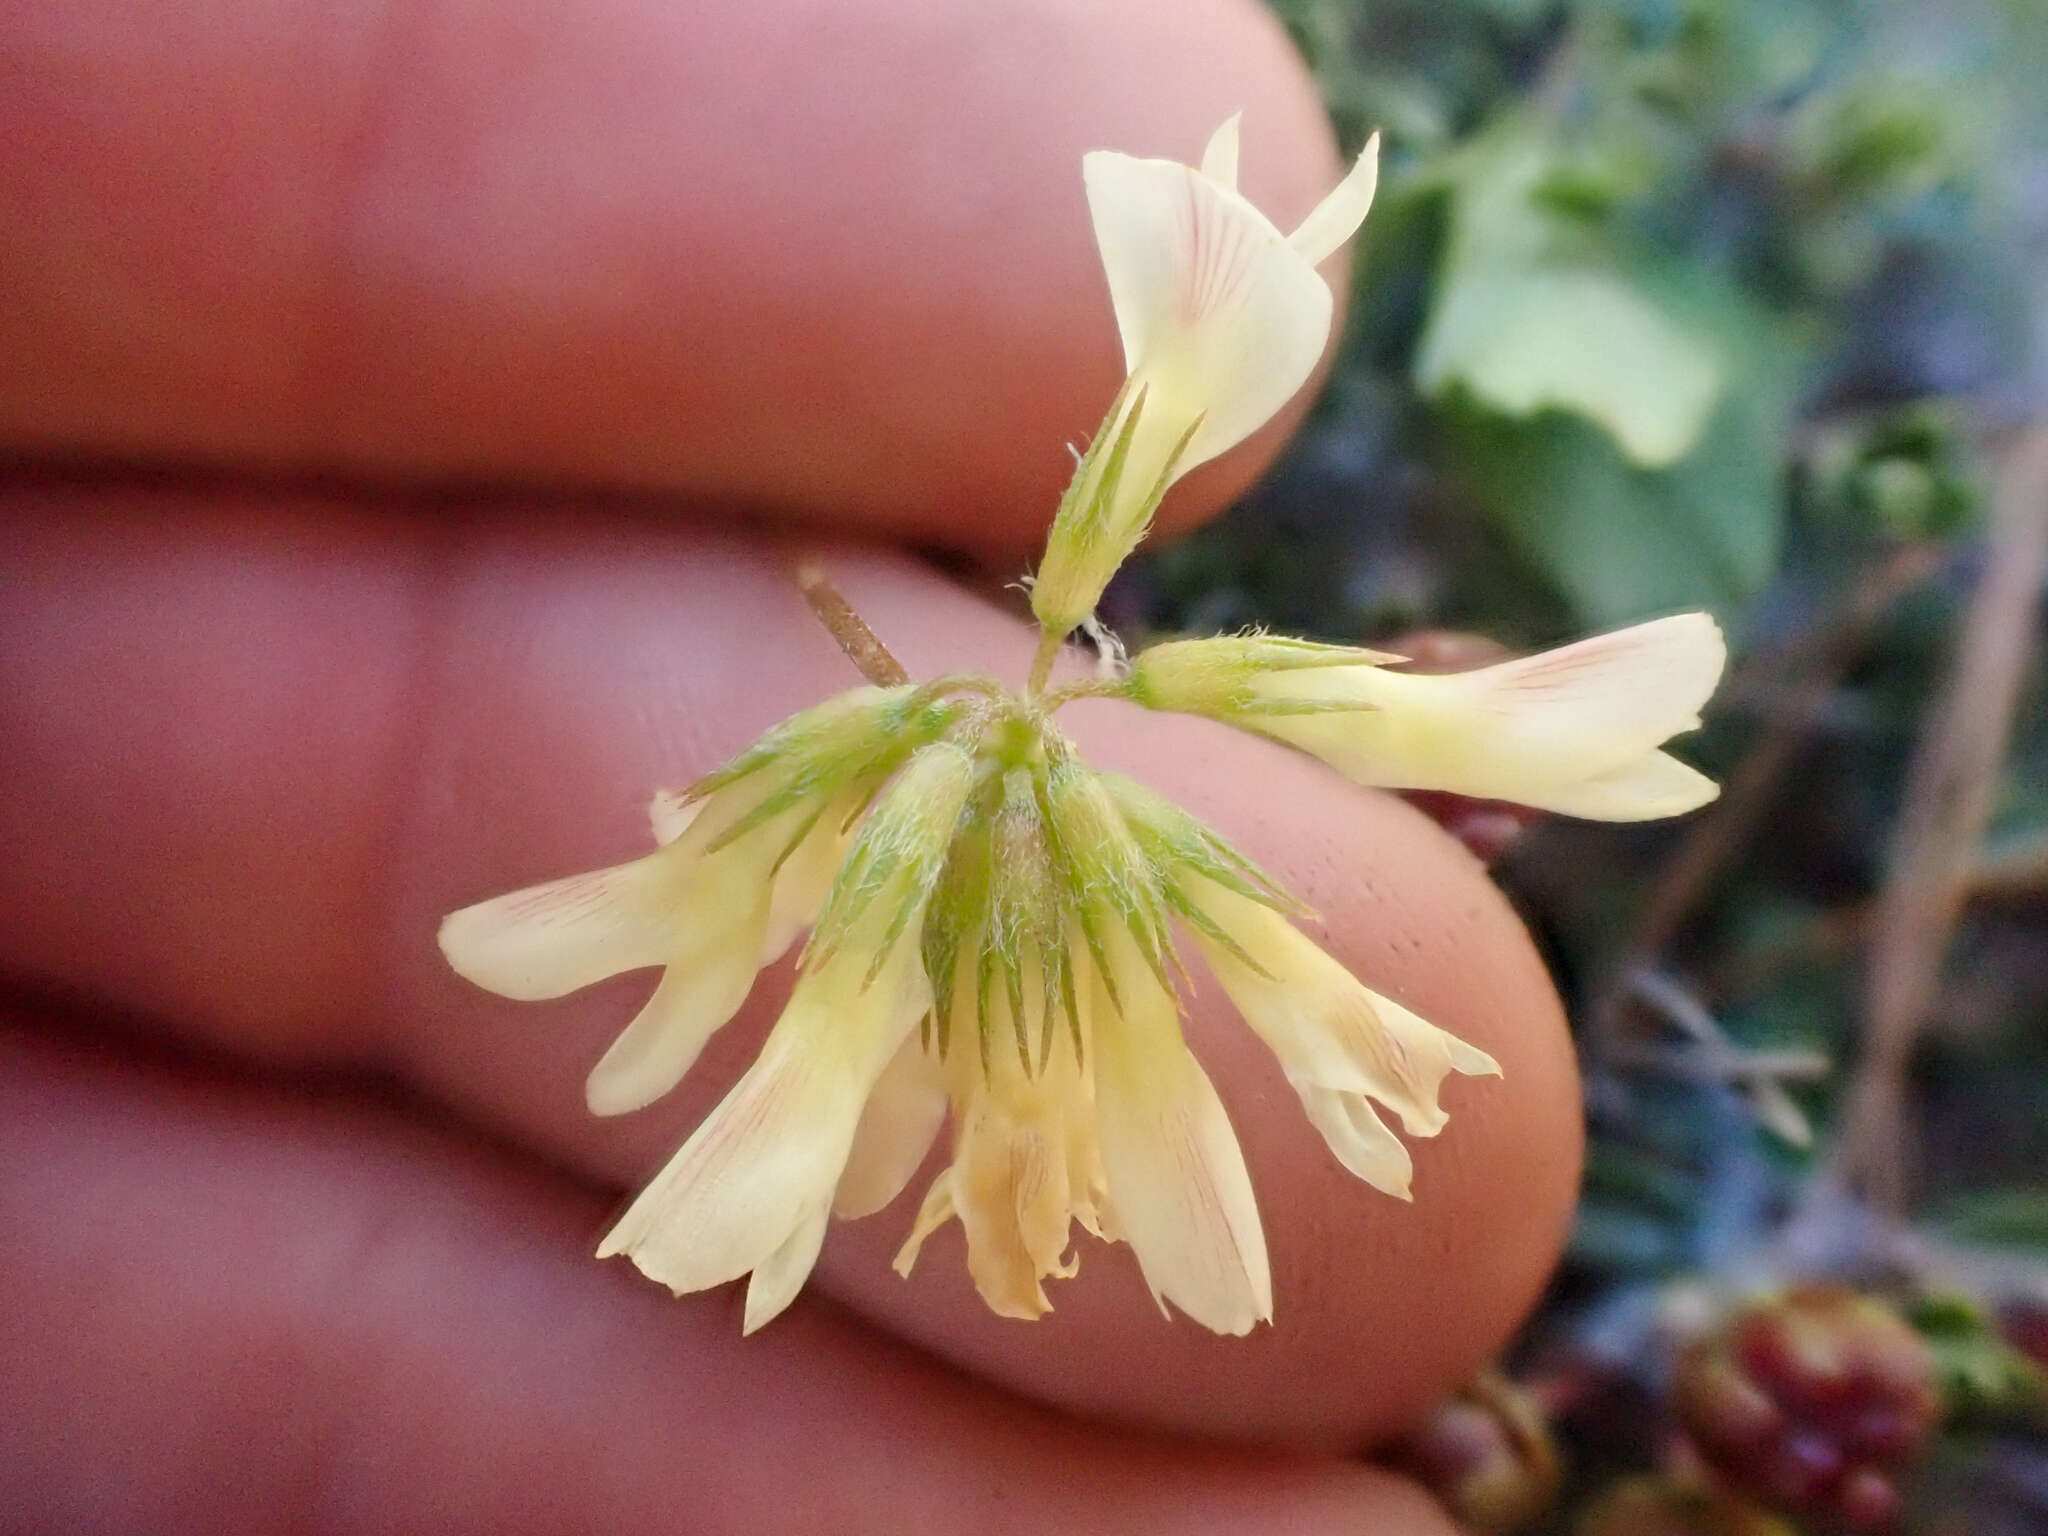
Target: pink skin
[(836, 260), (254, 742)]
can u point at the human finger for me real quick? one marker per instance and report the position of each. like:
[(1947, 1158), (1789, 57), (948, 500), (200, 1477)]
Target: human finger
[(232, 1307), (253, 754), (832, 264)]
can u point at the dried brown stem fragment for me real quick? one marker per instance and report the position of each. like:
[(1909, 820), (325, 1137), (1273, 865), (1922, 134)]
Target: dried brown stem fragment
[(863, 647)]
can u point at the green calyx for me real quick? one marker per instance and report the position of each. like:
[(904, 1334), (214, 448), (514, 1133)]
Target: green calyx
[(852, 741), (889, 873), (1106, 877), (985, 840), (1102, 515), (995, 942), (1223, 677), (1180, 847)]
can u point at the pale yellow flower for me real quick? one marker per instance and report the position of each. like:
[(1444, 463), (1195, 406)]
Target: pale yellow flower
[(1223, 318), (1026, 1163), (994, 925), (737, 877), (753, 1188), (1339, 1044), (1577, 730)]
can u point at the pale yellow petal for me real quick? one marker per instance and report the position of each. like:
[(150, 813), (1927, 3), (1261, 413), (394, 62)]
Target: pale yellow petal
[(1183, 1198), (554, 938), (1087, 1184), (1011, 1185), (933, 1212), (1520, 730), (903, 1114), (551, 939), (699, 992), (1219, 157), (1024, 1160), (722, 915), (768, 1158), (1626, 690), (1361, 1140), (803, 882), (1337, 217), (1654, 786), (777, 1279), (1329, 1031), (726, 916), (1220, 317), (669, 815), (1420, 1056), (1010, 1190)]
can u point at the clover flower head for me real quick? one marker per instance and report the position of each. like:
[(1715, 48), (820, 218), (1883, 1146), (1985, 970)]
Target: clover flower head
[(995, 927)]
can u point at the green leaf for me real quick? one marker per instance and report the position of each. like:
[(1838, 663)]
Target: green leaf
[(1534, 314), (1622, 542)]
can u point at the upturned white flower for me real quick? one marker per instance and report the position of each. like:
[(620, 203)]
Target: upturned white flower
[(1223, 318), (1577, 730), (994, 926)]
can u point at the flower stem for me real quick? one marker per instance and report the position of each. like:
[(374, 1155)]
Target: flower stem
[(1041, 664), (863, 647)]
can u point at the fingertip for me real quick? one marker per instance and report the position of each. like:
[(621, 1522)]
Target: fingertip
[(625, 262)]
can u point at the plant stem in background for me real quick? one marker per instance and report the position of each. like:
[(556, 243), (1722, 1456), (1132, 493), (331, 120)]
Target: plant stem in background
[(1949, 786)]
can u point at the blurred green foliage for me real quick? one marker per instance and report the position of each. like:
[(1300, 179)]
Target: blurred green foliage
[(1636, 266), (1705, 303), (1984, 1379)]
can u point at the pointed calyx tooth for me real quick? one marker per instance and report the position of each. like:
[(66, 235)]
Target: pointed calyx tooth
[(1180, 845), (1025, 946), (1110, 883), (1107, 508), (995, 938)]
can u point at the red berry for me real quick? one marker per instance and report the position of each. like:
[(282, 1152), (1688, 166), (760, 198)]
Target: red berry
[(1883, 1432), (1800, 1469), (1811, 1402), (2025, 1325), (1487, 828), (1723, 1406)]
